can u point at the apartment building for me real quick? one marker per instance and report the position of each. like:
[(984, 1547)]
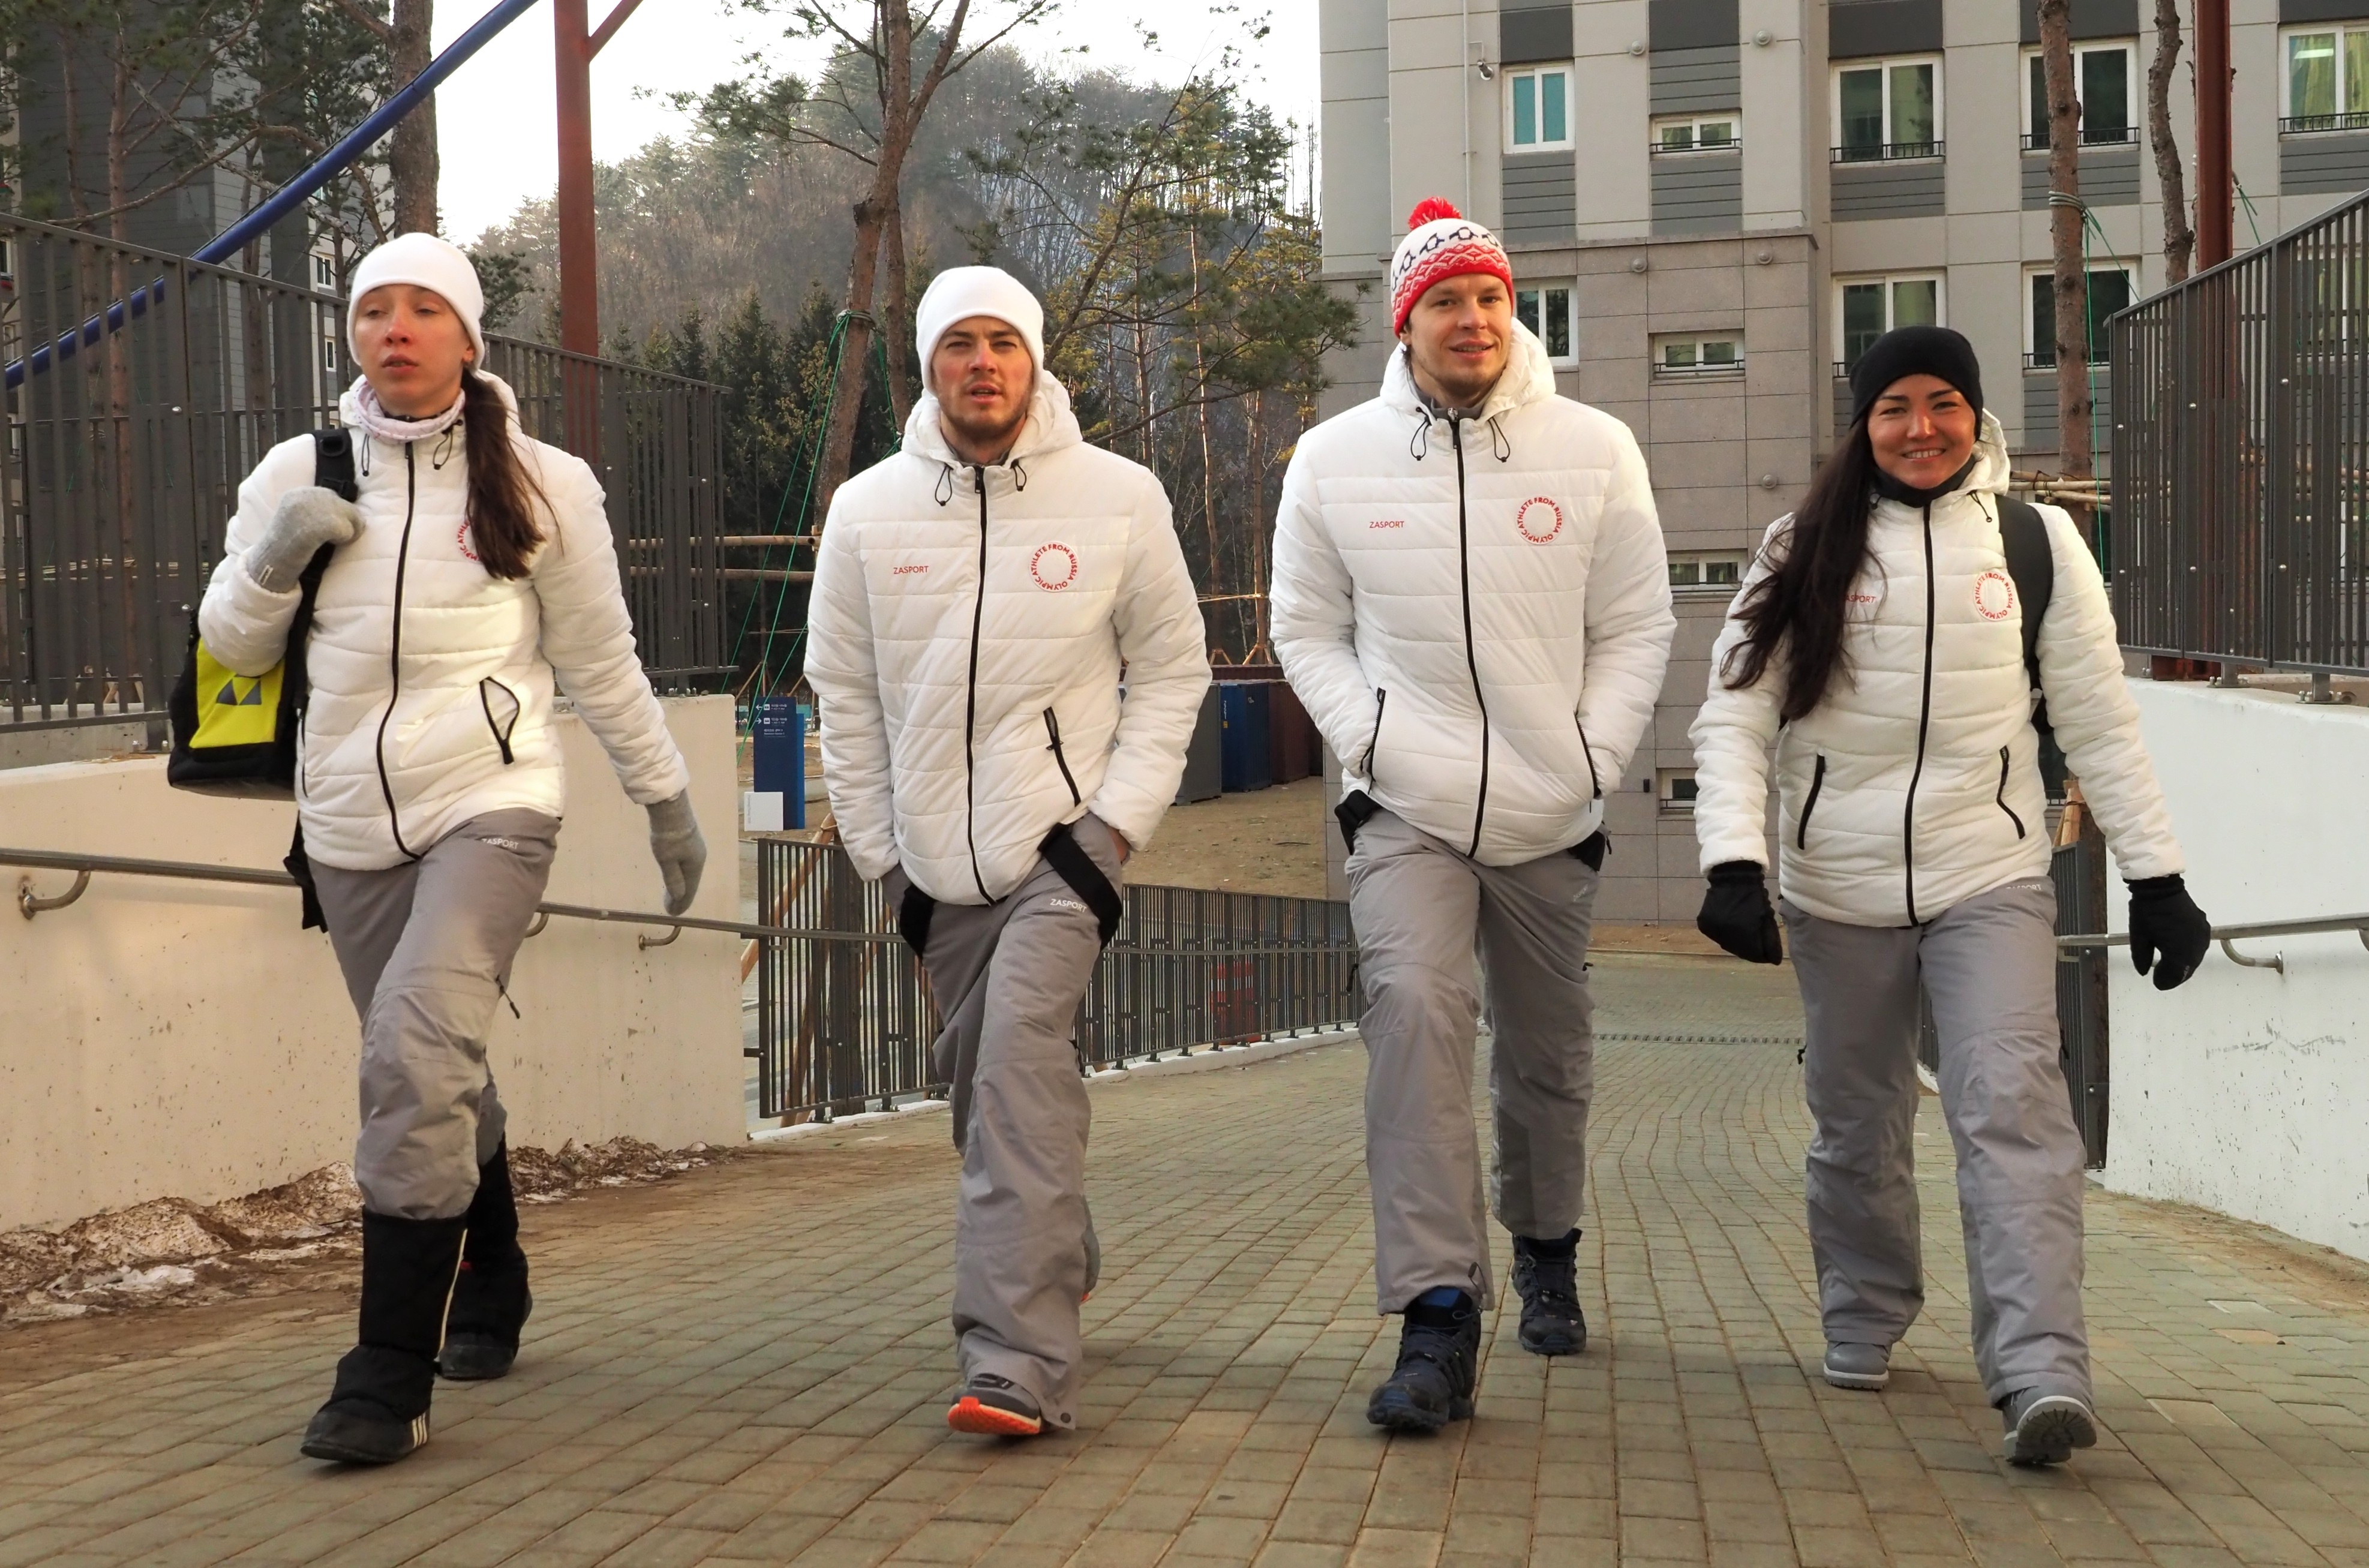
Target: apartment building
[(1714, 206)]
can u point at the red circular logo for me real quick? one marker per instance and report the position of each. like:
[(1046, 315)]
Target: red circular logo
[(1540, 520), (466, 548), (1055, 566), (1995, 596)]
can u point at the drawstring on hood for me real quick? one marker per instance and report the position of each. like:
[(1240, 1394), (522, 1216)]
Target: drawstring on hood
[(1529, 378), (944, 494)]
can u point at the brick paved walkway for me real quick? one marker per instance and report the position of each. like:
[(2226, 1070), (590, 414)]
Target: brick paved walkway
[(751, 1365)]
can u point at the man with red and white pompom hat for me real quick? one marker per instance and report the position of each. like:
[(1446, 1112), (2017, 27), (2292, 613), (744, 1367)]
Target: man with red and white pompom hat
[(1471, 597)]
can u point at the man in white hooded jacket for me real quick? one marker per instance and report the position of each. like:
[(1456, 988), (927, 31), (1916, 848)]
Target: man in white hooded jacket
[(1471, 599), (976, 597)]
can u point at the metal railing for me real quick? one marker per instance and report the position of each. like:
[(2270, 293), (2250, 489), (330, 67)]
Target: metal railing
[(1886, 151), (845, 1019), (124, 460), (2310, 124), (2241, 457), (2091, 136)]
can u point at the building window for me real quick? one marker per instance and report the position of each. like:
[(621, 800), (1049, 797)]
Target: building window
[(2101, 83), (1699, 353), (1866, 308), (1545, 309), (1887, 109), (325, 272), (1538, 109), (1675, 787), (1699, 134), (1706, 572), (2109, 290), (2327, 80)]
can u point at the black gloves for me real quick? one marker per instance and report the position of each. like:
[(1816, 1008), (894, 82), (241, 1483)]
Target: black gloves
[(2168, 932), (1737, 915)]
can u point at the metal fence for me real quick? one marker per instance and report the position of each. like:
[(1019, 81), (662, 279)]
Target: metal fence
[(2241, 457), (126, 449), (2079, 871), (844, 1020)]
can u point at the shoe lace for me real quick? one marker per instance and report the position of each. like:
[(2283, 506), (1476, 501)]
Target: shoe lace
[(1553, 1281)]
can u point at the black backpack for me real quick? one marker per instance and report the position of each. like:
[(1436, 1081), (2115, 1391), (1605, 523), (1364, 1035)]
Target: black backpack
[(233, 735), (2032, 565)]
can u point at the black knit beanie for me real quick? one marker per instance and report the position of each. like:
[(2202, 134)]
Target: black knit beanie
[(1915, 350)]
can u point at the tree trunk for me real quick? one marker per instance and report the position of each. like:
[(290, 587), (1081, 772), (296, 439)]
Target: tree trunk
[(855, 350), (2072, 283), (2179, 234), (895, 316), (412, 160)]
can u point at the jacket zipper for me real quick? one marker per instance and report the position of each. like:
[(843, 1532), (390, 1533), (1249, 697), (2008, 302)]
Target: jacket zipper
[(485, 701), (1924, 722), (2003, 806), (1595, 780), (1381, 701), (1471, 658), (970, 695), (394, 648), (1053, 728), (1817, 783)]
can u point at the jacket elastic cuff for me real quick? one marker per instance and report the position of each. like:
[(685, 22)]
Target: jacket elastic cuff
[(1738, 870), (2174, 883)]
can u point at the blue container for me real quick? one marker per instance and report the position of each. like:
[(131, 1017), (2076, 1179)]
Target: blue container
[(777, 729), (1245, 708)]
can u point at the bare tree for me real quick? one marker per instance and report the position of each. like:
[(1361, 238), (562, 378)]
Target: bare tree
[(2065, 216), (2178, 232), (412, 160)]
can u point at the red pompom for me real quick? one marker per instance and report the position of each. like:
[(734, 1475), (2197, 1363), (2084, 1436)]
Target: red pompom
[(1430, 210)]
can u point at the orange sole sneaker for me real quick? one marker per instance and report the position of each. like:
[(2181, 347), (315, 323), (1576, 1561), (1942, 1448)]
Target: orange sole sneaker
[(967, 1414)]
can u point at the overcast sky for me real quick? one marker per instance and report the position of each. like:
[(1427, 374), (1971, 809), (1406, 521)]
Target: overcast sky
[(494, 116)]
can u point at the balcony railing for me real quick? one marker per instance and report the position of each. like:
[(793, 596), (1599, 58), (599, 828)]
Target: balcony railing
[(1886, 151), (2046, 359), (2312, 124), (1693, 149), (2091, 136)]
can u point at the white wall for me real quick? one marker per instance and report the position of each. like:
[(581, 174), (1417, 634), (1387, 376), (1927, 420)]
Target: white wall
[(186, 1039), (2244, 1091)]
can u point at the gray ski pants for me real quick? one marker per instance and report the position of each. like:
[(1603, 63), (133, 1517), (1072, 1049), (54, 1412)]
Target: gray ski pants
[(425, 949), (1989, 966), (1009, 978), (1417, 906)]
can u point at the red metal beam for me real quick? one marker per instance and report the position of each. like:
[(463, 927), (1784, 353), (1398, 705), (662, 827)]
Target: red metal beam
[(608, 29), (2216, 184), (579, 296)]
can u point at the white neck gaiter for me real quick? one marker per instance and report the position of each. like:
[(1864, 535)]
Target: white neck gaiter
[(388, 428)]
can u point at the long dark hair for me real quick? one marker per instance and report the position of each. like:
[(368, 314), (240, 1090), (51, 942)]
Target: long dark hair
[(1798, 609), (502, 495)]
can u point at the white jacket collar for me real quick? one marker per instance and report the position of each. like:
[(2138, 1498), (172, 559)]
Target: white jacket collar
[(1529, 378), (1051, 425), (350, 406)]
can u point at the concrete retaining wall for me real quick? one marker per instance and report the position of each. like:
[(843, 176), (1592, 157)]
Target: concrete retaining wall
[(2243, 1090), (181, 1040)]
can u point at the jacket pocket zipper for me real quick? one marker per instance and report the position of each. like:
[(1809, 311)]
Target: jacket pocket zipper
[(1595, 780), (2003, 806), (502, 731), (1817, 783), (1053, 728), (1381, 701)]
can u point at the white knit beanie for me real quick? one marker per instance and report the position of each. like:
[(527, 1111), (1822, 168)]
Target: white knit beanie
[(425, 262), (961, 293)]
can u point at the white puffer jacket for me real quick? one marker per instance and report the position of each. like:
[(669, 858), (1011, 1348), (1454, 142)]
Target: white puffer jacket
[(1476, 612), (1915, 782), (432, 680), (965, 641)]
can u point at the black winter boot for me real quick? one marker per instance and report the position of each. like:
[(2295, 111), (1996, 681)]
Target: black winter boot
[(490, 1300), (1546, 1277), (378, 1409), (1439, 1349)]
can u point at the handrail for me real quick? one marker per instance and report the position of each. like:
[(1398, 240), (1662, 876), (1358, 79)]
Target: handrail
[(2225, 934), (29, 904)]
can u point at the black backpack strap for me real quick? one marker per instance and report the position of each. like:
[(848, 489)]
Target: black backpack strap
[(333, 462), (1068, 858), (2031, 562)]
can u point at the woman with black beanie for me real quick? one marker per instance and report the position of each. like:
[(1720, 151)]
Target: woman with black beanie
[(1878, 641)]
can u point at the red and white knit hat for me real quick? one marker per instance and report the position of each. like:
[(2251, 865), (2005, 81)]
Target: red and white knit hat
[(1441, 242)]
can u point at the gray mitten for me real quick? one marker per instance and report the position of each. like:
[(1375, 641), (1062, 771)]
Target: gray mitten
[(308, 517), (680, 852)]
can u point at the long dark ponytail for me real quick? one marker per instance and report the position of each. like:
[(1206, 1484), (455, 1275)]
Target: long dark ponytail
[(1798, 609), (502, 495)]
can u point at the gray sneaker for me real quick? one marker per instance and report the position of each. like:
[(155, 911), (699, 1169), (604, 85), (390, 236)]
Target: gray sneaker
[(1866, 1368), (2045, 1429)]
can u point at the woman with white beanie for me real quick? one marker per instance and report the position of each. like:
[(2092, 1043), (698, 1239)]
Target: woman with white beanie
[(474, 573)]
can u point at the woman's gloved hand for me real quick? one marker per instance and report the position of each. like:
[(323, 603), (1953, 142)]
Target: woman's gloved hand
[(307, 518), (680, 852), (2168, 932), (1737, 915)]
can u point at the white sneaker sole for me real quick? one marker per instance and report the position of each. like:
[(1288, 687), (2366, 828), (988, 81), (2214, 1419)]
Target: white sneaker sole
[(2051, 1429)]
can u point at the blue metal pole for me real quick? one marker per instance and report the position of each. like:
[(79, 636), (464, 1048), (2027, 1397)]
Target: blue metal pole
[(288, 197)]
